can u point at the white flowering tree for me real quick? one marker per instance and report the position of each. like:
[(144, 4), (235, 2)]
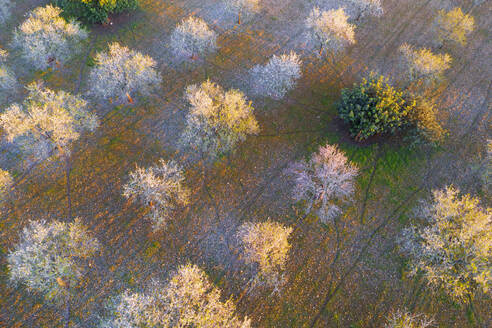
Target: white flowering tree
[(8, 82), (366, 7), (277, 77), (330, 29), (243, 7), (402, 319), (121, 73), (453, 247), (192, 37), (422, 64), (51, 258), (454, 26), (217, 120), (6, 183), (324, 182), (46, 39), (265, 245), (47, 123), (5, 9), (188, 299), (160, 187)]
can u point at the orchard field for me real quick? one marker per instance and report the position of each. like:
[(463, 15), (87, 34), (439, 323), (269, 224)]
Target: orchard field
[(345, 271)]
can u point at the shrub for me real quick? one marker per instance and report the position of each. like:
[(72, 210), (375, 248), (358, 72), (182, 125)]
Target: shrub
[(374, 107), (46, 39), (95, 11)]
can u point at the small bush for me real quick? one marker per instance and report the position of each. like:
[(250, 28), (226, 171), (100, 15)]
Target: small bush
[(375, 107), (95, 11)]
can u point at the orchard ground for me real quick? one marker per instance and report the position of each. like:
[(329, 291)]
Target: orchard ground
[(356, 256)]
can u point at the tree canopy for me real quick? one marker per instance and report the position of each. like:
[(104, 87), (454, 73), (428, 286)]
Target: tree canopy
[(452, 247)]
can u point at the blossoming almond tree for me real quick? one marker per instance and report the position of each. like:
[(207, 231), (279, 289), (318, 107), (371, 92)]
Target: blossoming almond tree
[(330, 29), (159, 186), (51, 258), (266, 246), (277, 77), (424, 65), (453, 247), (46, 39), (217, 120), (188, 299), (454, 26), (193, 37), (47, 123), (324, 182), (367, 7), (243, 7), (121, 73)]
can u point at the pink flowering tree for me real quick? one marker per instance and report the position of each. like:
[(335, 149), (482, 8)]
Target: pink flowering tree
[(324, 182)]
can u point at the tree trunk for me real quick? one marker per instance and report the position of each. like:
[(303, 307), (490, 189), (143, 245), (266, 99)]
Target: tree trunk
[(321, 50), (69, 197), (239, 18)]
